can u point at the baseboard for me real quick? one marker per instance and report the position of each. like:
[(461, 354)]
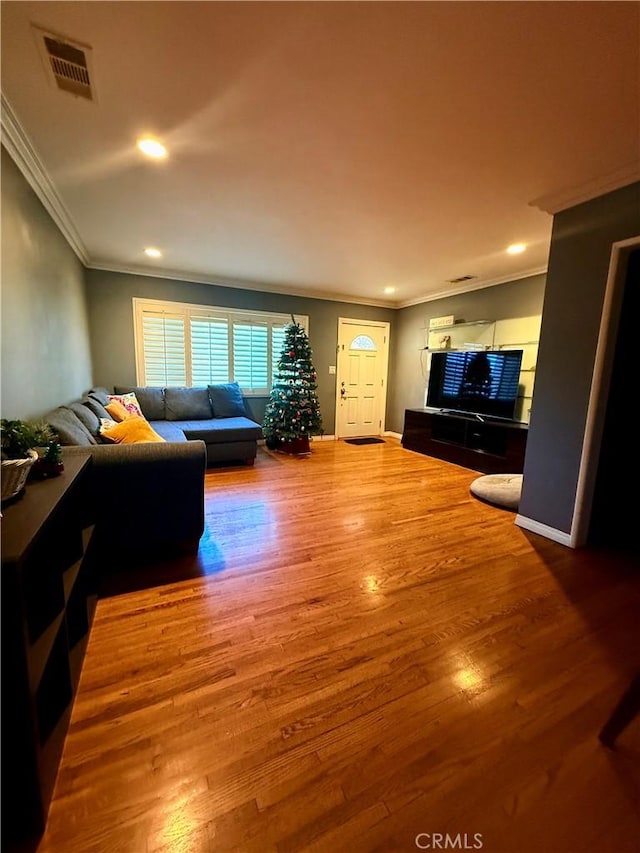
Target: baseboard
[(544, 530), (392, 434)]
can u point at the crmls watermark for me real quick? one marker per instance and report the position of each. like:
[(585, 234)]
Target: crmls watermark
[(444, 841)]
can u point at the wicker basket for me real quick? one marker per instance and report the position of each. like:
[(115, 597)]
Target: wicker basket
[(15, 473)]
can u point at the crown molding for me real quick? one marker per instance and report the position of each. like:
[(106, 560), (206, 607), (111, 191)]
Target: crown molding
[(476, 285), (22, 152), (571, 196), (234, 284)]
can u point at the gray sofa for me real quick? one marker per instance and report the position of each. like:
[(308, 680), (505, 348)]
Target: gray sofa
[(150, 496), (215, 414)]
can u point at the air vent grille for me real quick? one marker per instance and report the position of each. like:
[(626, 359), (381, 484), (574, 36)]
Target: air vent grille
[(67, 63), (460, 279)]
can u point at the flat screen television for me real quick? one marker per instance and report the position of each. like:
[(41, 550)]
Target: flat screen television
[(477, 383)]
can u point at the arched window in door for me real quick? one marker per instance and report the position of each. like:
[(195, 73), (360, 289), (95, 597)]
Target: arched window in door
[(363, 342)]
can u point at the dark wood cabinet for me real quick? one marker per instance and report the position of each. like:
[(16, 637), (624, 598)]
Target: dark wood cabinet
[(48, 600), (491, 447)]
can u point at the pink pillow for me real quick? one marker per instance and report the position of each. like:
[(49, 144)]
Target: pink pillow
[(129, 401)]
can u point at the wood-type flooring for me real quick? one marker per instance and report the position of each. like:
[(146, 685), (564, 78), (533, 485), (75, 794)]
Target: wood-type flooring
[(362, 657)]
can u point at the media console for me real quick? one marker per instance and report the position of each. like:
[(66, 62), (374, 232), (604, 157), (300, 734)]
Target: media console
[(488, 446)]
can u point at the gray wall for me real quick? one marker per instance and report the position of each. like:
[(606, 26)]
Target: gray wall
[(45, 334), (109, 296), (576, 281), (521, 298)]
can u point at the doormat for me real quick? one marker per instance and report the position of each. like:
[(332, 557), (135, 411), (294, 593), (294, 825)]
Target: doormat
[(364, 441)]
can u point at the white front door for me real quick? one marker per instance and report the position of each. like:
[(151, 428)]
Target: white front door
[(363, 348)]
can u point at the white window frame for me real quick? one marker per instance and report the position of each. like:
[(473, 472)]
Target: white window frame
[(187, 310)]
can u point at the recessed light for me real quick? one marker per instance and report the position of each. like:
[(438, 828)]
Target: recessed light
[(152, 148), (389, 289), (153, 253), (516, 248)]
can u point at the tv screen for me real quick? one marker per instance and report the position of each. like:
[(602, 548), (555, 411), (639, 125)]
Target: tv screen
[(480, 383)]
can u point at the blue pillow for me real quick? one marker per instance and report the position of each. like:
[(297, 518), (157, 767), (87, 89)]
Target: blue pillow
[(227, 401)]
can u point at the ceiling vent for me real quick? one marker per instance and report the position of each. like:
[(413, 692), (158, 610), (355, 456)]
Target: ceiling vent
[(460, 279), (67, 63)]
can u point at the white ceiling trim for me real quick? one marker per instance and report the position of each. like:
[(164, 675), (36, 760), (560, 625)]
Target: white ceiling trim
[(235, 284), (27, 160), (570, 197), (477, 285)]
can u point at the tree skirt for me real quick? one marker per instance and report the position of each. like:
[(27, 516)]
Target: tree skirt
[(501, 490), (295, 447)]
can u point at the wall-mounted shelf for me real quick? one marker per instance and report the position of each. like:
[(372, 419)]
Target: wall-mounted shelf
[(458, 325)]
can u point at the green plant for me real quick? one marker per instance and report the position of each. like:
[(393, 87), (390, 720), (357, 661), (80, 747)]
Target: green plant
[(18, 437)]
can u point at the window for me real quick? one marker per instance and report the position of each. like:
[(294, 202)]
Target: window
[(182, 344), (363, 342)]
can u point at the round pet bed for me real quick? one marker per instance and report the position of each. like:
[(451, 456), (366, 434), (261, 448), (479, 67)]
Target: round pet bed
[(498, 489)]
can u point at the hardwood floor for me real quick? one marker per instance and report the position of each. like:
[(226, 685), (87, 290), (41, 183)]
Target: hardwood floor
[(366, 653)]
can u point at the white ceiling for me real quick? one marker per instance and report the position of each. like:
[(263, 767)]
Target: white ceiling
[(328, 148)]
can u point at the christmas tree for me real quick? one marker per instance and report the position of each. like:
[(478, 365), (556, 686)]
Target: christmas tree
[(293, 413)]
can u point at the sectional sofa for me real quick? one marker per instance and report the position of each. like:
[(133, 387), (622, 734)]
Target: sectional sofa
[(150, 496)]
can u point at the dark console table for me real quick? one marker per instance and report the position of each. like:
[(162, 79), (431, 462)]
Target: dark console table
[(488, 446), (48, 600)]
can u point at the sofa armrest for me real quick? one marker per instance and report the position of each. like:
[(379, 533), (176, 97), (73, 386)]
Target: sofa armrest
[(142, 454), (146, 496)]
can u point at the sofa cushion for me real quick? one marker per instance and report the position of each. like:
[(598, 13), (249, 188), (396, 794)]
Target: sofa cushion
[(68, 427), (134, 430), (227, 400), (97, 408), (216, 431), (168, 430), (86, 416), (183, 404), (99, 394), (151, 400)]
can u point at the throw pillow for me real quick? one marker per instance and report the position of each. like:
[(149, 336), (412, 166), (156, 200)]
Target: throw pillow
[(227, 401), (150, 400), (117, 411), (135, 430), (129, 401)]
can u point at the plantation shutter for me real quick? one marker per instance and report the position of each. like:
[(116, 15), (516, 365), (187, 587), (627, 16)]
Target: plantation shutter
[(250, 355), (178, 343), (277, 341), (209, 350), (164, 356)]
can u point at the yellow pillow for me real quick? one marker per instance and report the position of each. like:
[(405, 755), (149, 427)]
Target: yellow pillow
[(132, 431), (117, 411)]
